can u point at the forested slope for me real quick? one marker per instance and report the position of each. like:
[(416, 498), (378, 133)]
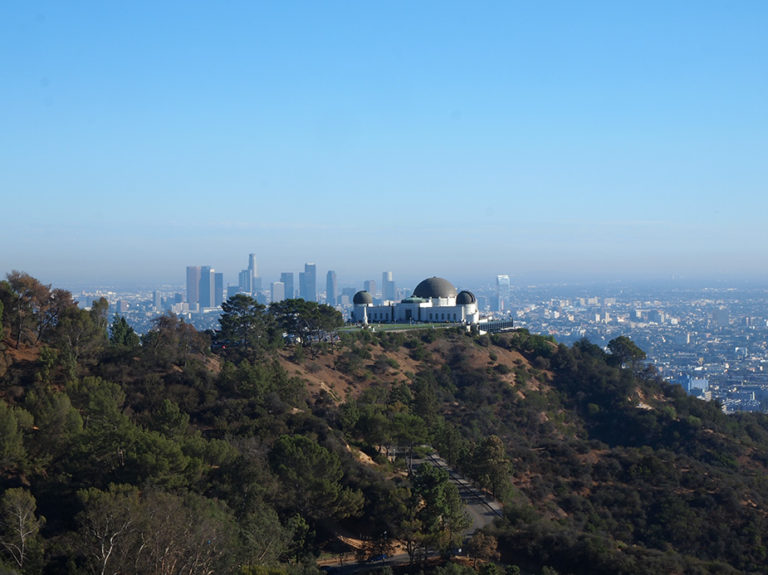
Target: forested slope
[(244, 451)]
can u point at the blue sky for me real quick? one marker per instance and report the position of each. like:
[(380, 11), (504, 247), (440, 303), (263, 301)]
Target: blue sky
[(546, 140)]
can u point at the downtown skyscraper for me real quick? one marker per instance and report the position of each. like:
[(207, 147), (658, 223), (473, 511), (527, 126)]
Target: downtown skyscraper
[(331, 288), (207, 288), (286, 278), (248, 281), (308, 282), (502, 293), (193, 286), (388, 291), (370, 287)]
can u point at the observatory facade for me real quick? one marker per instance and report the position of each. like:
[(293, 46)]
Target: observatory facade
[(434, 300)]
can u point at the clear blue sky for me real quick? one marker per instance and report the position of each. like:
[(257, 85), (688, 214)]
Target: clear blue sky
[(546, 140)]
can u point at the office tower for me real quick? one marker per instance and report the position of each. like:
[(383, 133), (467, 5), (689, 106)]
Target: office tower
[(157, 300), (502, 292), (286, 278), (252, 265), (207, 286), (331, 289), (193, 285), (218, 289), (348, 291), (308, 282), (387, 287), (244, 281), (278, 291), (254, 271), (370, 287)]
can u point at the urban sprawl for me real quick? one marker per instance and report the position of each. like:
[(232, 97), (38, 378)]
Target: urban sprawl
[(710, 340)]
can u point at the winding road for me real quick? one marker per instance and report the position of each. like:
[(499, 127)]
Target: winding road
[(481, 508)]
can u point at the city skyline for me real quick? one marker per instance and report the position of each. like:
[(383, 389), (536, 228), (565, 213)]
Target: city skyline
[(557, 142)]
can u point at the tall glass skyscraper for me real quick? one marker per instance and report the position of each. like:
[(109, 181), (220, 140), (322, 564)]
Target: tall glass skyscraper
[(286, 278), (331, 289), (207, 286), (218, 289), (308, 282), (253, 270), (387, 287), (278, 291), (502, 292), (193, 285)]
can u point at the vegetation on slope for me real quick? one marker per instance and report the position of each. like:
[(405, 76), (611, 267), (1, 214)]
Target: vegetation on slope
[(256, 448)]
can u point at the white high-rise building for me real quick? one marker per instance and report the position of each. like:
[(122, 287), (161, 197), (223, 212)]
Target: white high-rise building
[(387, 287), (502, 292), (278, 292)]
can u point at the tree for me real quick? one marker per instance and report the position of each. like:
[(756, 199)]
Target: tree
[(244, 325), (442, 514), (57, 304), (13, 456), (81, 334), (19, 526), (173, 341), (182, 535), (408, 430), (482, 546), (57, 424), (265, 538), (108, 525), (311, 478), (24, 299), (491, 467), (122, 335), (404, 504), (306, 319), (624, 351)]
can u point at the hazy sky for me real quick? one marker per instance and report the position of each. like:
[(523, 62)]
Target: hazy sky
[(546, 140)]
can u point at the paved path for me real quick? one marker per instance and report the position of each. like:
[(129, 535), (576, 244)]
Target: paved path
[(481, 508)]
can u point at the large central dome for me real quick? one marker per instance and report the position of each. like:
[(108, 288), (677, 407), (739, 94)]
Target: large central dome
[(435, 287)]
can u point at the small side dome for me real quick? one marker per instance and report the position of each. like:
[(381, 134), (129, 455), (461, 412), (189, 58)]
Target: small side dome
[(465, 298), (435, 288), (362, 298)]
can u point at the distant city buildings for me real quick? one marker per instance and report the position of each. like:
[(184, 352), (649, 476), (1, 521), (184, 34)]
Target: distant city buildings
[(252, 267), (193, 286), (244, 281), (721, 317), (713, 342), (308, 282), (370, 287), (501, 301), (388, 289), (218, 289), (286, 278), (207, 287), (331, 288), (248, 280), (278, 292)]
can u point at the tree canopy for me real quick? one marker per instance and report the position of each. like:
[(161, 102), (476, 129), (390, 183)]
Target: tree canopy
[(167, 454)]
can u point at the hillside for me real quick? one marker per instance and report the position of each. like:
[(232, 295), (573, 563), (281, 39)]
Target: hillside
[(173, 453)]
